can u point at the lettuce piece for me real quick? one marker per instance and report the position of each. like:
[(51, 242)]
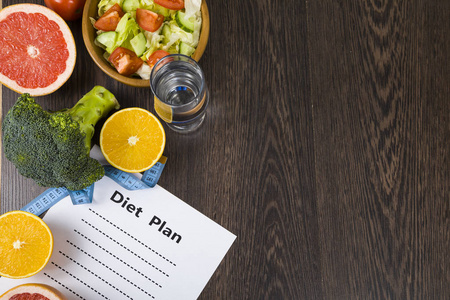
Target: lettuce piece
[(92, 20), (174, 40), (197, 28), (147, 4), (192, 7), (154, 40), (104, 5), (144, 71), (126, 29), (189, 38)]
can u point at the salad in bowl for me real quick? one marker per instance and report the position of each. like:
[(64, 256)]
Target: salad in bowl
[(135, 34)]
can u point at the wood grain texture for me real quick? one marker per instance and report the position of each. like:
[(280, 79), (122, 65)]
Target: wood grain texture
[(264, 150), (381, 145), (325, 148)]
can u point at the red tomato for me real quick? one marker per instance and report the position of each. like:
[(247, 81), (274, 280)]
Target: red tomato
[(109, 20), (171, 4), (69, 10), (125, 61), (148, 20), (157, 55)]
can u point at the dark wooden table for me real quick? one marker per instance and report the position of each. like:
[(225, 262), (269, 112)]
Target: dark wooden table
[(325, 150)]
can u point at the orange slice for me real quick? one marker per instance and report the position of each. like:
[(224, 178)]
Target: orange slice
[(132, 140), (35, 291), (26, 244)]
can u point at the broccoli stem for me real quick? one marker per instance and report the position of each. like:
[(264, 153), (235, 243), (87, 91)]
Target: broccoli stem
[(95, 105)]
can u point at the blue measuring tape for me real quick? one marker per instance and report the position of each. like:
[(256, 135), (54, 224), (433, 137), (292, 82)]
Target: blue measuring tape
[(46, 200), (50, 197), (82, 196), (151, 176)]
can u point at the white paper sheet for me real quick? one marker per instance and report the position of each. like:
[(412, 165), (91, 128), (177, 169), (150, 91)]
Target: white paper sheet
[(144, 244)]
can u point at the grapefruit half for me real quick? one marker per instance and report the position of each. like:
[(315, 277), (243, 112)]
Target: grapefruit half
[(33, 291), (37, 49)]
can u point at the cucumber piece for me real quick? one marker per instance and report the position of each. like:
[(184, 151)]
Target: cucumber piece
[(138, 43), (186, 49), (166, 32), (184, 23), (130, 5), (107, 39)]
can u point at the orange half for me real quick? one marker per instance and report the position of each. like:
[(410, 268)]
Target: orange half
[(26, 244), (132, 140)]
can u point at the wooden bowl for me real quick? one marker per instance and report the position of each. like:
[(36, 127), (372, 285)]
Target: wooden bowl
[(90, 10)]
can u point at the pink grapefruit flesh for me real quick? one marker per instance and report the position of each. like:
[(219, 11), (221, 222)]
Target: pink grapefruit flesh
[(32, 291), (37, 49)]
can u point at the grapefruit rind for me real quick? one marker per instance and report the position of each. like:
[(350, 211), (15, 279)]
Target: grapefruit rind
[(50, 251), (34, 288), (68, 37)]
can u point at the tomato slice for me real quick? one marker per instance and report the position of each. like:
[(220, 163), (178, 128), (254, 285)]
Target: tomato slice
[(171, 4), (148, 20), (125, 61), (110, 19), (157, 55)]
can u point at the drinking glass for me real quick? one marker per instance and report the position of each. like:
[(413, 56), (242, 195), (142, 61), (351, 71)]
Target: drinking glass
[(180, 92)]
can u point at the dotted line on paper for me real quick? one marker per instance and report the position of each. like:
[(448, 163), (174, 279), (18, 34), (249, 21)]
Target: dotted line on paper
[(154, 251), (114, 271), (106, 250), (124, 247), (70, 274), (108, 283), (69, 289)]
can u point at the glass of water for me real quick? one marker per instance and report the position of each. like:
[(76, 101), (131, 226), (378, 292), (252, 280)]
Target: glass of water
[(180, 92)]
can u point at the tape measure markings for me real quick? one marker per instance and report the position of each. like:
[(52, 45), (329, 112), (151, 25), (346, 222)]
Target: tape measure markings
[(151, 176), (129, 181), (125, 180), (82, 196), (46, 200)]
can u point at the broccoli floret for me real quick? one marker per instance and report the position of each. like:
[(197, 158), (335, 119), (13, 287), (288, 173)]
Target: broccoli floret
[(53, 148)]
